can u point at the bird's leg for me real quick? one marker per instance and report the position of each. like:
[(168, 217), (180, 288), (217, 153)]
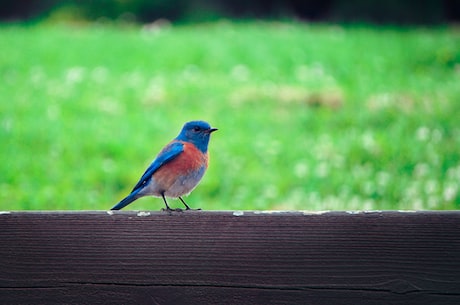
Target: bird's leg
[(168, 209), (186, 206), (166, 203)]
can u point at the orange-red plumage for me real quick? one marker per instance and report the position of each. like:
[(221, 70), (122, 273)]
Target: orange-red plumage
[(186, 163)]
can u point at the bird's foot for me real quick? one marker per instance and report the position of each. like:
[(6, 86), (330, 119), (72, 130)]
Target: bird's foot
[(171, 210), (190, 209)]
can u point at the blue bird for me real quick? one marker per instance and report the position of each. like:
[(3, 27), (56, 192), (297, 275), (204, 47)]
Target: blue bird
[(177, 169)]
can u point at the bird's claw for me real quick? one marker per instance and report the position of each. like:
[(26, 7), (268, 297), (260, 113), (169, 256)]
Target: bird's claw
[(172, 210), (178, 210)]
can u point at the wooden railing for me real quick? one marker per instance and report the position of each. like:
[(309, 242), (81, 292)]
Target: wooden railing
[(198, 257)]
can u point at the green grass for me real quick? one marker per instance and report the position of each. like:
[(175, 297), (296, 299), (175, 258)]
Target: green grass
[(310, 117)]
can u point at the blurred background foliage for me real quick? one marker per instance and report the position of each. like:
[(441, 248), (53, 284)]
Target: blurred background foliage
[(339, 113), (145, 11)]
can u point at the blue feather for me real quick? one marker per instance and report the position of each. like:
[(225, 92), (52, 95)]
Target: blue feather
[(127, 200), (171, 151)]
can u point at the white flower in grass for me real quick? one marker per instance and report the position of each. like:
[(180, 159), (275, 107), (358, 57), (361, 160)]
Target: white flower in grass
[(423, 133), (450, 192)]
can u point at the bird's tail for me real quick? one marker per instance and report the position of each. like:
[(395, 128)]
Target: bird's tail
[(127, 200)]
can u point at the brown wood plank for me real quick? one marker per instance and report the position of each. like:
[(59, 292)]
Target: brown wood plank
[(198, 257)]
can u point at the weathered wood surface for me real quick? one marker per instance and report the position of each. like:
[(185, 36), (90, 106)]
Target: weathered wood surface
[(230, 258)]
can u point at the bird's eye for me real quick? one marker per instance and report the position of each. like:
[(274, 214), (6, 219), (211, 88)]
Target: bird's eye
[(196, 128)]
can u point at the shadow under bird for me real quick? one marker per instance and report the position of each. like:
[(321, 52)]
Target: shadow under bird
[(177, 169)]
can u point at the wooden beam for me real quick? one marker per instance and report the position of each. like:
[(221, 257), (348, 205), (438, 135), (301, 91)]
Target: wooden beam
[(198, 257)]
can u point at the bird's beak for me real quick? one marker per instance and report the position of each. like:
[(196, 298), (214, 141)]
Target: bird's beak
[(212, 130)]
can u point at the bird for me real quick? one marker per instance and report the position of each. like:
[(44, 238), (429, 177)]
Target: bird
[(178, 167)]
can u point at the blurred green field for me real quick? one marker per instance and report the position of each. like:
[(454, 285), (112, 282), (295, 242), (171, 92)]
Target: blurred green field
[(310, 117)]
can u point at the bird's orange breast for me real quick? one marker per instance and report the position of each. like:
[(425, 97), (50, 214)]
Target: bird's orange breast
[(188, 162)]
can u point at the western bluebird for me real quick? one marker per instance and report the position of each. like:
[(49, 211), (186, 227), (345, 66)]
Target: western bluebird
[(178, 167)]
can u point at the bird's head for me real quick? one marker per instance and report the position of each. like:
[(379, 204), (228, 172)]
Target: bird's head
[(196, 132)]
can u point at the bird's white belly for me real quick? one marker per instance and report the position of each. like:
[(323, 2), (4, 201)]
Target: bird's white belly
[(183, 185)]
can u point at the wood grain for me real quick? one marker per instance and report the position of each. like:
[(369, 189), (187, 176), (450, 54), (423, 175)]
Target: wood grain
[(197, 257)]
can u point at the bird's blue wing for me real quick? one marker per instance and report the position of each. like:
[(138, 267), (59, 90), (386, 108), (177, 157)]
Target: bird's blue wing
[(171, 151)]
